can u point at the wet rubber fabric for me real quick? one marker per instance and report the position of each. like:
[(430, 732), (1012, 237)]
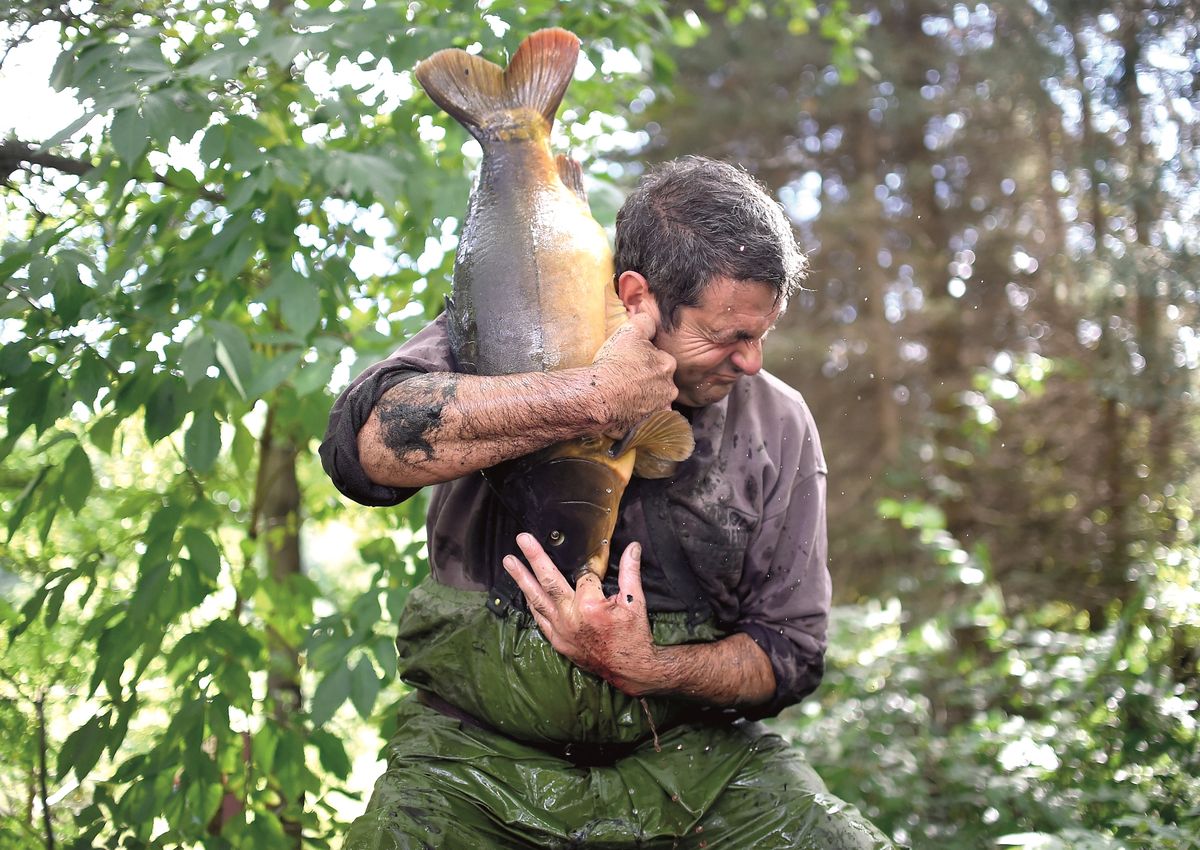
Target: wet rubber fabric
[(457, 784)]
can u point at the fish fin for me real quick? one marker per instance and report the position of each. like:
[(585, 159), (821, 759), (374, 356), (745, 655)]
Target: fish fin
[(541, 70), (661, 440), (471, 88), (648, 466), (571, 174), (468, 87)]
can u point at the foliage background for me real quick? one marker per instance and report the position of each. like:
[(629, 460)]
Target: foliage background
[(999, 343)]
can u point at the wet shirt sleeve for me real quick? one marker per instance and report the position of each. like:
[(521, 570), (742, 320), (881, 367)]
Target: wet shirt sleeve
[(786, 593), (428, 351)]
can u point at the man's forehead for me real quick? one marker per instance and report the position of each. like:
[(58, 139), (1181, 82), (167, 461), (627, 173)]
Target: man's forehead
[(732, 304)]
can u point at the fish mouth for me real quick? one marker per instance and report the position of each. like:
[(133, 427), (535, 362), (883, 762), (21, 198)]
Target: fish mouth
[(568, 503)]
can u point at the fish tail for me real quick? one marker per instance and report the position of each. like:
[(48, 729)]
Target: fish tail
[(471, 89)]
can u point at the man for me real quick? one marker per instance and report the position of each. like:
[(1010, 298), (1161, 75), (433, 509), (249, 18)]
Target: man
[(548, 715)]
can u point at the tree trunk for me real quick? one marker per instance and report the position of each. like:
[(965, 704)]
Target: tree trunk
[(880, 333), (277, 500)]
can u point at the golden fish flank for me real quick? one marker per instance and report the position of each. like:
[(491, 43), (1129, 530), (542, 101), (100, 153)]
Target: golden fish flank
[(533, 290)]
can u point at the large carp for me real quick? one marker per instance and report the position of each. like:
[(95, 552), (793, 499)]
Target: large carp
[(533, 291)]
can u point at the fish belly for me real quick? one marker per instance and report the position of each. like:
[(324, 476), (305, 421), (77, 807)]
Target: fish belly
[(532, 270)]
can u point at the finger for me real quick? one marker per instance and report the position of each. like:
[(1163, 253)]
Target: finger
[(548, 575), (535, 594), (644, 324), (543, 623), (588, 588), (629, 575)]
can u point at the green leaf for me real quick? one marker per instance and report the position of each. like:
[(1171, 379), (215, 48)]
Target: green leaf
[(364, 687), (290, 770), (90, 377), (274, 373), (385, 653), (27, 405), (25, 501), (160, 534), (332, 753), (299, 300), (222, 62), (202, 443), (262, 747), (77, 478), (101, 432), (243, 447), (161, 116), (82, 749), (60, 74), (330, 694), (203, 551), (129, 136), (14, 357), (235, 260), (313, 377), (67, 132), (164, 410), (233, 355), (195, 357), (212, 146)]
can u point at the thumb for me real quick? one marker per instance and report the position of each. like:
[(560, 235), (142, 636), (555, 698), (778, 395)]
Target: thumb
[(629, 575), (644, 324)]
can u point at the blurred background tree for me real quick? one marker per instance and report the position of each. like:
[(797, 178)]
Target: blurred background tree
[(999, 342), (1000, 346)]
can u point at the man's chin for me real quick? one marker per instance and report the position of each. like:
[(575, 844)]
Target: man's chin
[(709, 392)]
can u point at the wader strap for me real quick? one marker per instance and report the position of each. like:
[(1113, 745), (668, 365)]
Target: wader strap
[(668, 553), (500, 530)]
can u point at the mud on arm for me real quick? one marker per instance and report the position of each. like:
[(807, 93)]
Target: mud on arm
[(440, 426)]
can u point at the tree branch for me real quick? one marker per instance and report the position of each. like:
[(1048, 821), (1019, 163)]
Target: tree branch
[(39, 704), (15, 156)]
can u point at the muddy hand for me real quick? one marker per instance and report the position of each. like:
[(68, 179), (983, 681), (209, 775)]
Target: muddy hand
[(635, 377), (609, 636)]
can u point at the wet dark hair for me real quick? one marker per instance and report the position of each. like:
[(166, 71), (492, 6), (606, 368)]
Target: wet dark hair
[(693, 220)]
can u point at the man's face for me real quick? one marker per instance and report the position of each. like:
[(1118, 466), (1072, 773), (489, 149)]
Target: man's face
[(719, 340)]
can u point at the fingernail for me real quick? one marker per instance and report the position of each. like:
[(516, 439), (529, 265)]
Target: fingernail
[(636, 551), (510, 562), (524, 537)]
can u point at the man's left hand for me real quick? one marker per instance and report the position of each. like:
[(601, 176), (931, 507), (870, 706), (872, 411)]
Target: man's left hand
[(608, 636)]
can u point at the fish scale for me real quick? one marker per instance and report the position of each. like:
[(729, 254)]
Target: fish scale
[(533, 291)]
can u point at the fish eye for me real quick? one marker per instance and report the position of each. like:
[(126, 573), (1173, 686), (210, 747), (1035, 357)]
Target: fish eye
[(557, 538)]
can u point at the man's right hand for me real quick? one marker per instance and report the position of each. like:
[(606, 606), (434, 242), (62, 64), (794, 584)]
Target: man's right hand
[(635, 377)]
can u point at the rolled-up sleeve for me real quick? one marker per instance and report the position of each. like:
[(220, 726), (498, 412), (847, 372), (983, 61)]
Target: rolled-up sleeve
[(785, 593), (428, 351)]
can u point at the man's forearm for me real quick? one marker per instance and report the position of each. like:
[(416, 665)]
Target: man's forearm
[(440, 426), (732, 671)]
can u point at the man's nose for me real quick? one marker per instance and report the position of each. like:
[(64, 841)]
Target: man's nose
[(748, 358)]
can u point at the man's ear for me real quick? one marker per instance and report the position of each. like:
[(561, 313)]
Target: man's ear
[(635, 294)]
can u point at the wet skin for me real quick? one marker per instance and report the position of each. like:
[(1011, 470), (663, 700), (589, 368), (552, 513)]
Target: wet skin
[(714, 343)]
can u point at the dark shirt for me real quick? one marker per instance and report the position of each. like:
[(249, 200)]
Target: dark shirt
[(748, 509)]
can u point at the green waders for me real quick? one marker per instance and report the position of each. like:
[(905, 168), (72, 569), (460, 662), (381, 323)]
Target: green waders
[(462, 784)]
